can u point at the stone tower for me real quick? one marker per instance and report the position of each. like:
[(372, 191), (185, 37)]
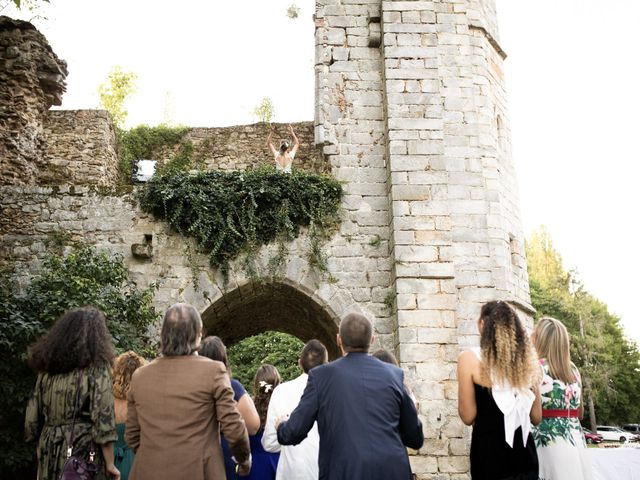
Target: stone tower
[(411, 116), (411, 111)]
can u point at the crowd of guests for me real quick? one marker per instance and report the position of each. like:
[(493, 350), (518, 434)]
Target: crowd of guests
[(182, 415)]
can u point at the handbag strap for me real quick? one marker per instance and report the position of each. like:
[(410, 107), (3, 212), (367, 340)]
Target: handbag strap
[(75, 410)]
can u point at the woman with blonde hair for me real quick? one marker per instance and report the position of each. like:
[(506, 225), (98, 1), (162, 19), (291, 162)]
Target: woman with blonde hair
[(559, 437), (123, 369), (497, 394)]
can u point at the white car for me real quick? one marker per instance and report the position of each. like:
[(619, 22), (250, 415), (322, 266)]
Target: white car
[(615, 434)]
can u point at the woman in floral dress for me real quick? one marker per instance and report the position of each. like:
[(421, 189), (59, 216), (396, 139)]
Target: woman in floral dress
[(559, 438)]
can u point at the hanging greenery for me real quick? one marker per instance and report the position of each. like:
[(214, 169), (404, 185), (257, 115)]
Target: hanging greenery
[(232, 214), (144, 142)]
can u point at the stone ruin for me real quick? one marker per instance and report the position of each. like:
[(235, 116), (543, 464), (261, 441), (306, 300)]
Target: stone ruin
[(410, 114)]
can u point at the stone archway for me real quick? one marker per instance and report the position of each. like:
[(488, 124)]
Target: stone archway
[(254, 308)]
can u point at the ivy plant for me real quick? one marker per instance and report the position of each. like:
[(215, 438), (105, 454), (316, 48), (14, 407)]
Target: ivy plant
[(231, 214), (145, 142)]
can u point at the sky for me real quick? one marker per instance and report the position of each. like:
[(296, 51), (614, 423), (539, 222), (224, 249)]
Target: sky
[(572, 83)]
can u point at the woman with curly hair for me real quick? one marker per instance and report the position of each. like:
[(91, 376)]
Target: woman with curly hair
[(265, 463), (559, 437), (72, 402), (498, 394), (123, 369)]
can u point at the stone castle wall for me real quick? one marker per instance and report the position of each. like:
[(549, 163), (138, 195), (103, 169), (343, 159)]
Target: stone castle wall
[(245, 146), (411, 115), (80, 148), (418, 125), (32, 79)]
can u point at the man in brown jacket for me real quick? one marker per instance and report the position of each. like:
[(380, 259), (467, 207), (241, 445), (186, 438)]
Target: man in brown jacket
[(177, 407)]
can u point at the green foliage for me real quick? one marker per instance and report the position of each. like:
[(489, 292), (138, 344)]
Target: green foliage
[(264, 110), (605, 358), (144, 142), (275, 348), (84, 276), (114, 92), (232, 214)]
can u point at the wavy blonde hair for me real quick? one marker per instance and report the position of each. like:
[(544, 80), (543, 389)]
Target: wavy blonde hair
[(507, 353), (552, 343), (123, 369)]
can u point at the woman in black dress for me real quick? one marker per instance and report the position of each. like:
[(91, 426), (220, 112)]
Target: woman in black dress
[(498, 395)]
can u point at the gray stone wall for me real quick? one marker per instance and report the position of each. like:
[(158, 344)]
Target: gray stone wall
[(80, 147), (245, 146), (429, 99), (301, 302)]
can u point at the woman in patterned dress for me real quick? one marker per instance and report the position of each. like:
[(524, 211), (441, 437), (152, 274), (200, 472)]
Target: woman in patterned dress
[(559, 438), (73, 361)]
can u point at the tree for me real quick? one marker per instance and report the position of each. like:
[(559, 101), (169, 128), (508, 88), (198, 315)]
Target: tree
[(608, 362), (278, 349), (114, 93), (84, 276), (264, 110)]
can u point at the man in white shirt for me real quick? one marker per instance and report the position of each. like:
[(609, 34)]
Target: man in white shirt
[(299, 462)]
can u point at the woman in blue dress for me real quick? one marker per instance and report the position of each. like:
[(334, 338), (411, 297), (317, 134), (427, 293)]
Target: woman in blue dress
[(264, 464), (212, 347)]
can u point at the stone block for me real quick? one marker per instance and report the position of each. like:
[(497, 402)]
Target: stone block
[(410, 52), (437, 335), (417, 352), (409, 253), (397, 27), (451, 464), (407, 6), (437, 301), (425, 147), (415, 124), (411, 73), (411, 192), (333, 36), (410, 17)]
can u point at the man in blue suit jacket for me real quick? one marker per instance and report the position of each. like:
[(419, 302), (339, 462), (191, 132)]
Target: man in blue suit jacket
[(365, 415)]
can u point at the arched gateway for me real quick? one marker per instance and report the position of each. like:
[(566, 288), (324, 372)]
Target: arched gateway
[(259, 307), (410, 115)]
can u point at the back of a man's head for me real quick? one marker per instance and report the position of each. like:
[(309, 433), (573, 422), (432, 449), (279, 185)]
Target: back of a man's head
[(313, 354), (181, 330), (355, 332)]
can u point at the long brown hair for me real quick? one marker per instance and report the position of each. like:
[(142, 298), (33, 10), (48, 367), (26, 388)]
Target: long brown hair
[(266, 379), (213, 347), (507, 353), (123, 369), (78, 339), (552, 343)]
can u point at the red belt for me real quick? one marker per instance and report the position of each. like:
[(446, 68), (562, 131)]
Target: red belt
[(565, 413)]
